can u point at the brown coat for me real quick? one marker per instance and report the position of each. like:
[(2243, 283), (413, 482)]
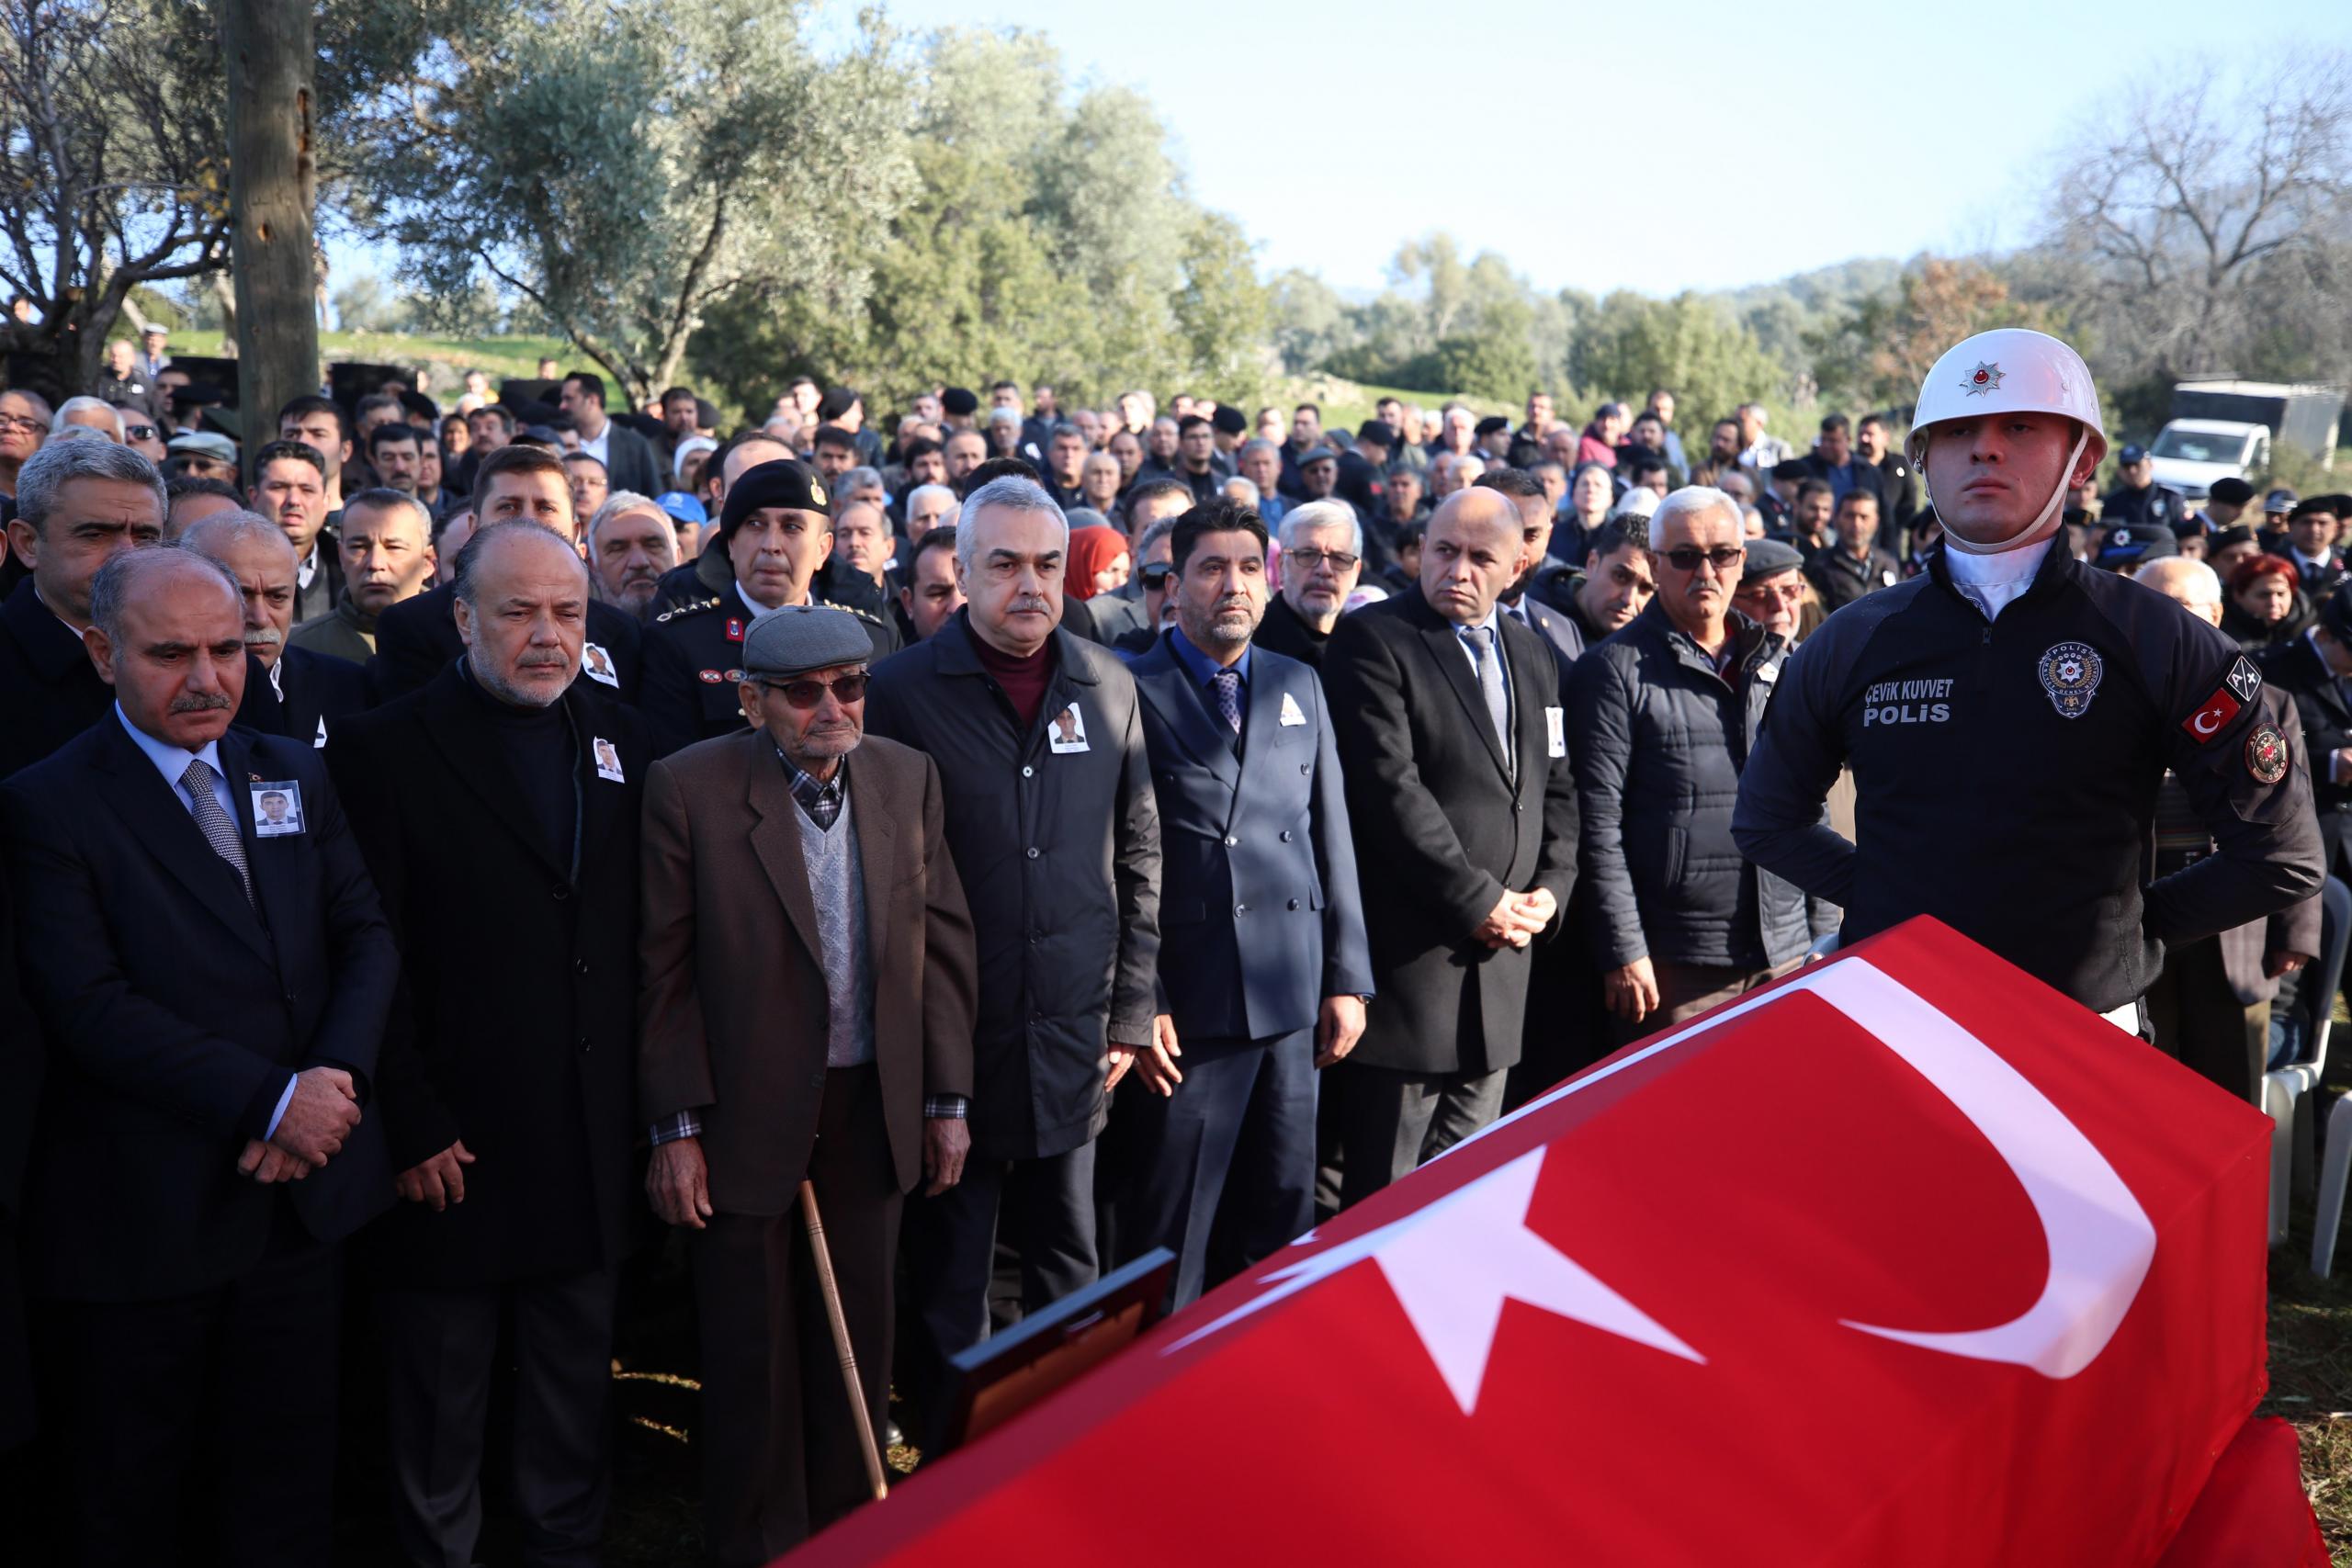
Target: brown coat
[(732, 1014)]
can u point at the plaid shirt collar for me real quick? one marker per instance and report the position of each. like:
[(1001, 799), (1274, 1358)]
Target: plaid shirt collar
[(822, 802)]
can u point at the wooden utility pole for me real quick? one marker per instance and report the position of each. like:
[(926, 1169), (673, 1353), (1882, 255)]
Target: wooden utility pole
[(273, 187)]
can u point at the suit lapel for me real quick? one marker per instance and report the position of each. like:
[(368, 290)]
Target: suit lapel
[(1528, 723), (1167, 686), (874, 810), (277, 872), (456, 724), (1451, 656), (157, 816), (776, 839)]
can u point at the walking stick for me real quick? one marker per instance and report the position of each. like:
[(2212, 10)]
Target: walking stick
[(840, 1322)]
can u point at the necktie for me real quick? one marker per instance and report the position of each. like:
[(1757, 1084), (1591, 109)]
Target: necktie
[(1490, 686), (219, 831), (1228, 696)]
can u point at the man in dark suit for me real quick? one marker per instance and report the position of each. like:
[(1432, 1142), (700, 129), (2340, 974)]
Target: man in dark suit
[(1459, 789), (1518, 602), (807, 1015), (1322, 560), (289, 691), (213, 984), (417, 639), (79, 503), (1263, 970), (509, 788), (628, 460)]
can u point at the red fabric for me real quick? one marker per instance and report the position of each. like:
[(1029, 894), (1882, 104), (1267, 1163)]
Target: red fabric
[(1091, 550), (2252, 1513), (1746, 1189), (1024, 679)]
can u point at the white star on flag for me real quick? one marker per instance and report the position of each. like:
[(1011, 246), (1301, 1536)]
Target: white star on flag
[(1452, 1279)]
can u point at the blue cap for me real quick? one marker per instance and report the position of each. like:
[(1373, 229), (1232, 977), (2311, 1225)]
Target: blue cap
[(682, 507), (2132, 453)]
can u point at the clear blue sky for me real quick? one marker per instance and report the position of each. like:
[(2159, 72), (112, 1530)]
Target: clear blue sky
[(1688, 145)]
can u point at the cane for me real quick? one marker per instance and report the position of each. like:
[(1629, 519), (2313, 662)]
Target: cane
[(840, 1321)]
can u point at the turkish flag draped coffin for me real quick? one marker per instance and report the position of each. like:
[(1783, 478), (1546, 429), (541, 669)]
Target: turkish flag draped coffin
[(1907, 1259)]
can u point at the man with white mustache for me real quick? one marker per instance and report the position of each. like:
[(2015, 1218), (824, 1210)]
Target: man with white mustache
[(292, 692)]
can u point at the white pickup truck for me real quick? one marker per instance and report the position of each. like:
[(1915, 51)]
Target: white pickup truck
[(2188, 455)]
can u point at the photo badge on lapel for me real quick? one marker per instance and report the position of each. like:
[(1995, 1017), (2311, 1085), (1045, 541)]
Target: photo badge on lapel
[(1070, 731), (277, 808)]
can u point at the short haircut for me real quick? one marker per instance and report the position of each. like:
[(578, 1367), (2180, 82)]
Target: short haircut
[(383, 498), (921, 446), (396, 431), (833, 435), (468, 580), (590, 385), (1814, 486), (1516, 483), (1315, 409), (1858, 493), (939, 539), (517, 459), (62, 418), (622, 502), (209, 536), (1012, 493), (1689, 501), (586, 457), (41, 411), (920, 492), (184, 485), (860, 478), (312, 403), (1256, 444), (53, 467), (997, 469), (1646, 464), (1325, 514), (378, 403), (499, 411), (114, 586), (1833, 421), (285, 451), (1004, 386), (1148, 490), (1192, 422), (1880, 420), (1218, 515), (676, 393), (1616, 535)]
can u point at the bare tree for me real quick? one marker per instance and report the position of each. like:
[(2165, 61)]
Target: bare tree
[(111, 170), (2184, 203)]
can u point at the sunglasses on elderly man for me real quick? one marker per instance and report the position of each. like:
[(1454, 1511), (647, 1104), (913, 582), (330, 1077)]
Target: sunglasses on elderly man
[(1723, 557), (1156, 576), (806, 692)]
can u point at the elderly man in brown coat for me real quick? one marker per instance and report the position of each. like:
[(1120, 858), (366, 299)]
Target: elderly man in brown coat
[(809, 982)]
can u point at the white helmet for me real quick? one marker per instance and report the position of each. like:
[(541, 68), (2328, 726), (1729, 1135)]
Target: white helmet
[(2008, 370)]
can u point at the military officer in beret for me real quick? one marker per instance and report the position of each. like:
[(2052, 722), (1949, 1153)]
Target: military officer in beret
[(777, 534)]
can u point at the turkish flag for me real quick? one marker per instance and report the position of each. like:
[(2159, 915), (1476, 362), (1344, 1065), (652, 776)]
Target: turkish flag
[(1906, 1258)]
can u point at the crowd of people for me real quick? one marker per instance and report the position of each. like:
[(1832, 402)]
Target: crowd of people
[(442, 844)]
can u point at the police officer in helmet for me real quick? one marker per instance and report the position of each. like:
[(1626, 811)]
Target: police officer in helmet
[(2008, 713)]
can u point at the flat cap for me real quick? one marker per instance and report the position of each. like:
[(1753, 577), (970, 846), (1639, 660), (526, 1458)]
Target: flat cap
[(1319, 455), (2132, 453), (1770, 558), (801, 637), (783, 482), (202, 444), (2279, 499)]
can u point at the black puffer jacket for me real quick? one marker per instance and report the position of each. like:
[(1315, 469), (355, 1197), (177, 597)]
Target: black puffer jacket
[(1659, 739)]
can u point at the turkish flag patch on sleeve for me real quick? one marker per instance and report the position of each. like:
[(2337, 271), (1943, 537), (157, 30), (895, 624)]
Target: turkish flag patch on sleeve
[(2213, 715)]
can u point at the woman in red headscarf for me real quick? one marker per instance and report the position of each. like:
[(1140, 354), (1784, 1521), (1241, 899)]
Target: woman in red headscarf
[(1098, 562)]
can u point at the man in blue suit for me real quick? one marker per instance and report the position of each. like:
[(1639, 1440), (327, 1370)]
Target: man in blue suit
[(203, 948), (1263, 967)]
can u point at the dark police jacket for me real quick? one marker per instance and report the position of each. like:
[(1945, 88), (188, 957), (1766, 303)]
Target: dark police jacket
[(1442, 828), (1662, 738), (175, 1011), (1259, 918), (694, 660), (1840, 580), (2008, 770), (1058, 852), (517, 1024), (2295, 668), (417, 639), (50, 692)]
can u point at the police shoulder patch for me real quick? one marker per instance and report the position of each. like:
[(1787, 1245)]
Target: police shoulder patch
[(2266, 753)]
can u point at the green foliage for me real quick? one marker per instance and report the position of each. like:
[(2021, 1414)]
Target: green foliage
[(1043, 238), (1631, 344)]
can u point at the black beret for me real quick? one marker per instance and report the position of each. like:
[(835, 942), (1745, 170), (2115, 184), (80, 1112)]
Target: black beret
[(2231, 490), (2225, 538), (782, 482), (834, 403), (1376, 430), (1792, 470), (1491, 424), (2335, 613), (1230, 420), (959, 402)]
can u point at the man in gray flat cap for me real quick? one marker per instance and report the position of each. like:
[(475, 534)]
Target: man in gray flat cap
[(806, 1011)]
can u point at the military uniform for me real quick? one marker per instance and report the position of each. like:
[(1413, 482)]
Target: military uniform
[(694, 660)]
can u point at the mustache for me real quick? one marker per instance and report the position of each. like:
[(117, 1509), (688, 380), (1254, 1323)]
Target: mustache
[(264, 637), (198, 702), (1031, 602)]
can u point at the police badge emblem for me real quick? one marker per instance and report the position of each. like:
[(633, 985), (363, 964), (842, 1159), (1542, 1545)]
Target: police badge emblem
[(2070, 673), (1985, 379), (2265, 754)]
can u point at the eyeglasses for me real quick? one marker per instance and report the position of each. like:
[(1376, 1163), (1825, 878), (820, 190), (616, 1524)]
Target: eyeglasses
[(1793, 590), (806, 693), (139, 432), (19, 422), (1307, 561), (1723, 557), (1156, 576)]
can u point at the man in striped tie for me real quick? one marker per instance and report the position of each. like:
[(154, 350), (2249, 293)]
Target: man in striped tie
[(213, 984)]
